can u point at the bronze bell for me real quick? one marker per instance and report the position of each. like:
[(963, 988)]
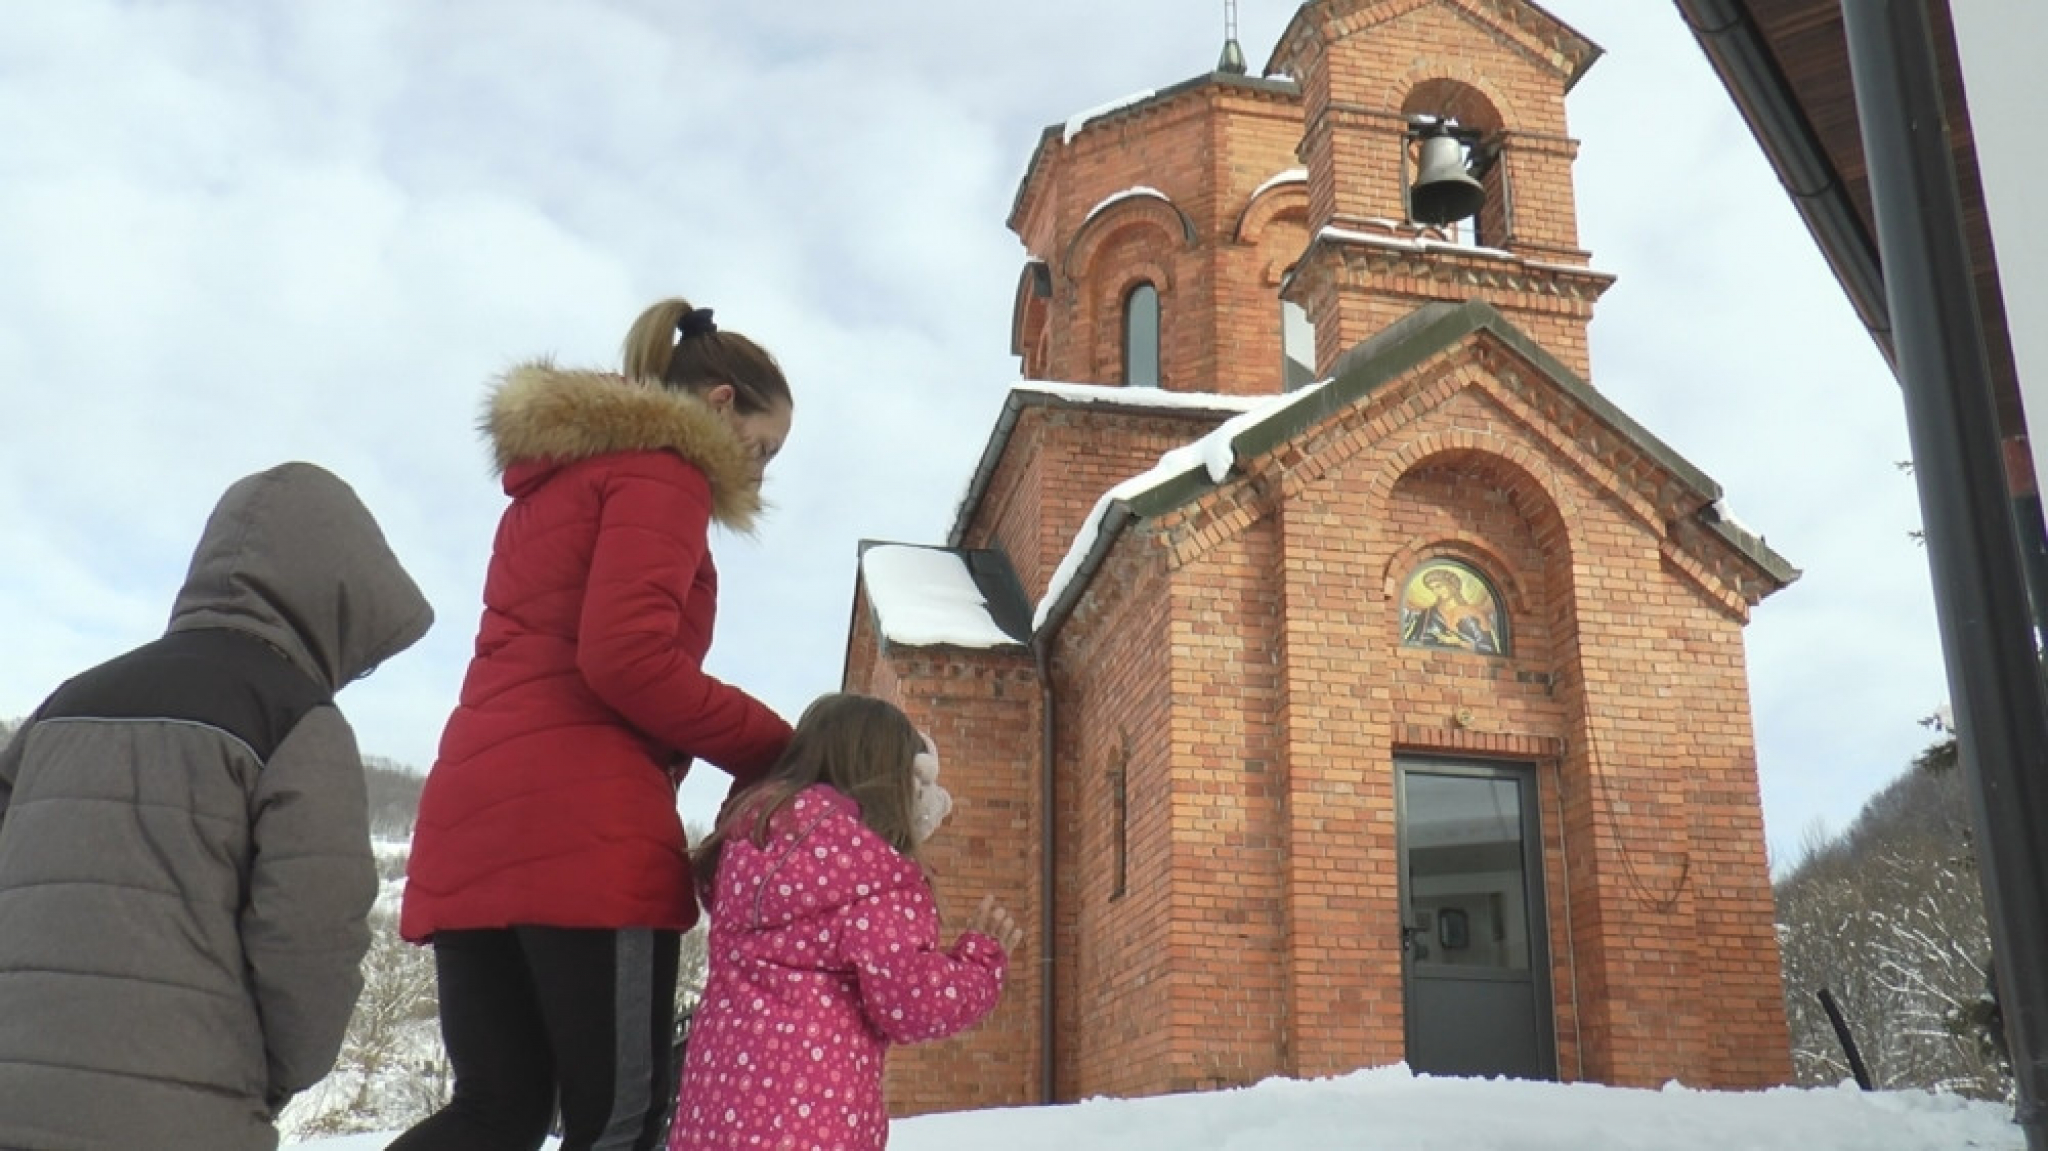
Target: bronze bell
[(1444, 190)]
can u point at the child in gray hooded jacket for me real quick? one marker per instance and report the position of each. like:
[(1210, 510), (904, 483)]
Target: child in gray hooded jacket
[(185, 868)]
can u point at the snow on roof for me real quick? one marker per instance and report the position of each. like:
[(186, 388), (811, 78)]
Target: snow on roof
[(1214, 452), (1727, 516), (1132, 193), (1079, 120), (1290, 176), (925, 596), (1549, 266), (1142, 397)]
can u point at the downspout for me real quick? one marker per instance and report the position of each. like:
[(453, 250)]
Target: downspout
[(1041, 653), (1973, 541)]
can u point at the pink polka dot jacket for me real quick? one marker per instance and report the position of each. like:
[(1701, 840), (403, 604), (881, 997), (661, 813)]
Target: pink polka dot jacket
[(824, 950)]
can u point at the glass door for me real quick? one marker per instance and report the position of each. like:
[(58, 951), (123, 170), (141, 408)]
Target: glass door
[(1474, 944)]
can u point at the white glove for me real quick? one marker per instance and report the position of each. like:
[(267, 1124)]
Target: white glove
[(929, 802)]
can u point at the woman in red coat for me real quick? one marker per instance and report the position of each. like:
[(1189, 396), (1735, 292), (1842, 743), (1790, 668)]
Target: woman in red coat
[(549, 868)]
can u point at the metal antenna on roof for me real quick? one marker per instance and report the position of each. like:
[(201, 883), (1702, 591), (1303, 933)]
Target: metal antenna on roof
[(1233, 53)]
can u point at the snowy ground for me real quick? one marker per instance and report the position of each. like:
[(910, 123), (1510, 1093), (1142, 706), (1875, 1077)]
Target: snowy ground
[(1388, 1109)]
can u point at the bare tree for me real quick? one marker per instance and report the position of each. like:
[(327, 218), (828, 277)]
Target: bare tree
[(392, 1071), (1889, 917), (394, 795)]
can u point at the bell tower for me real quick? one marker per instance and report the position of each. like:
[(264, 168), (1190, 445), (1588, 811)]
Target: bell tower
[(1438, 167)]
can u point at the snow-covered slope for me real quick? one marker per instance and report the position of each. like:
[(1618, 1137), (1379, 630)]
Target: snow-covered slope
[(1388, 1109)]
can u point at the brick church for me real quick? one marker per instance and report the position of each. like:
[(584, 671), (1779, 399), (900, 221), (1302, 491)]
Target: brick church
[(1327, 673)]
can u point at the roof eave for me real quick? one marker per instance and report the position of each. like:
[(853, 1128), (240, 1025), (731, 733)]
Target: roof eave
[(1021, 397), (1741, 55), (1003, 593)]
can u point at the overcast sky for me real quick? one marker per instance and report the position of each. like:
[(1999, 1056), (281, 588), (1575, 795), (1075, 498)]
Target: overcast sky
[(234, 233)]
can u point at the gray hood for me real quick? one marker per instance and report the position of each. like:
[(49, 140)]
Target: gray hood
[(292, 556)]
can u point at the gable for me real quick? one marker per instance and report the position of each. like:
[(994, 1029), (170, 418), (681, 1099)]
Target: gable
[(1639, 469), (1531, 30)]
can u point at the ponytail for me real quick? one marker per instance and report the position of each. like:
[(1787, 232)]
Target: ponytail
[(651, 342), (678, 345)]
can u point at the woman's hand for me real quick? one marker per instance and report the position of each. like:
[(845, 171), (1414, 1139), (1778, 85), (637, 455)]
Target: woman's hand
[(992, 920)]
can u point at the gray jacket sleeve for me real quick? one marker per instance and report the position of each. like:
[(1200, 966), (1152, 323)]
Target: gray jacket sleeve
[(312, 881), (10, 765)]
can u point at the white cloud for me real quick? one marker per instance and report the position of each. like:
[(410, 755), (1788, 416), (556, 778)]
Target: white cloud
[(234, 234)]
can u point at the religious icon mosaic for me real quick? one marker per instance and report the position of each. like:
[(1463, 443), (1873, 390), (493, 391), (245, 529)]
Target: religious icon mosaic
[(1446, 604)]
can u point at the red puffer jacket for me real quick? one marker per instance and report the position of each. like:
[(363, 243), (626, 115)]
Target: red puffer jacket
[(553, 801)]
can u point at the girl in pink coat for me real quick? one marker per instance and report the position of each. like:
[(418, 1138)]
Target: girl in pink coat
[(824, 940)]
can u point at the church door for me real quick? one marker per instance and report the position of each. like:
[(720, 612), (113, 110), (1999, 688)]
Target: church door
[(1475, 950)]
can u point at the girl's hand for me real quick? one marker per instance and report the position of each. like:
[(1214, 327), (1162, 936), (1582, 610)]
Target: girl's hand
[(991, 920)]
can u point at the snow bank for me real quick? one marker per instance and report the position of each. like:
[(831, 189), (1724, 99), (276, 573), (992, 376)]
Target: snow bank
[(1388, 1107)]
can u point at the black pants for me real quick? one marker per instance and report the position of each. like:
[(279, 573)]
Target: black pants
[(532, 1015)]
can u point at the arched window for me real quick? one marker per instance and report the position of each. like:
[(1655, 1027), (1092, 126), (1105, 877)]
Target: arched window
[(1141, 337), (1297, 346), (1446, 604)]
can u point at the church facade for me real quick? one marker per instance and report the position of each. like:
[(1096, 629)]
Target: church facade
[(1327, 673)]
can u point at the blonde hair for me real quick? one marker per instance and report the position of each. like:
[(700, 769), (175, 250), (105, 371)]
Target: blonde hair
[(859, 745), (657, 349)]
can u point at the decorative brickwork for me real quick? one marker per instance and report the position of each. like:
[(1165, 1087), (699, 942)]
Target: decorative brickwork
[(1206, 149), (1220, 711)]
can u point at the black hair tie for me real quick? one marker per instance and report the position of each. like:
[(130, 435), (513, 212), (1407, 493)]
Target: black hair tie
[(695, 323)]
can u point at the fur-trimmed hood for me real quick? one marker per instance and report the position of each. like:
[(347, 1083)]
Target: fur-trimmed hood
[(538, 414)]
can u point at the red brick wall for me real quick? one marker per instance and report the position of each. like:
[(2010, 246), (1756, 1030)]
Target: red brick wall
[(1057, 464), (1174, 983), (1011, 515), (1651, 813), (1253, 139), (1114, 961), (981, 709), (1239, 661), (864, 671), (1231, 923), (1208, 149)]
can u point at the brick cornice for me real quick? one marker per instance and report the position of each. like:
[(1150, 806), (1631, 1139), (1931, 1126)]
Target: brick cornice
[(1052, 140), (1731, 584), (1337, 115), (1374, 260)]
